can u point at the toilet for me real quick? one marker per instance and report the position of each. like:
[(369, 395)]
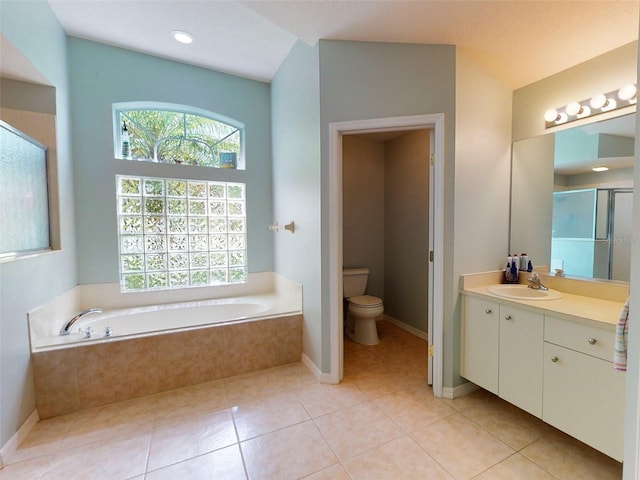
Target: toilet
[(362, 309)]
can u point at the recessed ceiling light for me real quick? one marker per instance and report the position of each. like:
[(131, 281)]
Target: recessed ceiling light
[(600, 169), (182, 37)]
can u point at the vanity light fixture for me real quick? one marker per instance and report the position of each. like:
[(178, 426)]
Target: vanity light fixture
[(600, 169), (182, 37), (624, 97), (555, 117), (628, 93), (574, 108), (599, 101)]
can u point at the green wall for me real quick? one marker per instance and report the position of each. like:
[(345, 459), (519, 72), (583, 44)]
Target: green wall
[(295, 99), (101, 75), (28, 283)]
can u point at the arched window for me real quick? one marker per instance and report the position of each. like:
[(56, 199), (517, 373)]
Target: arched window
[(168, 133), (179, 232)]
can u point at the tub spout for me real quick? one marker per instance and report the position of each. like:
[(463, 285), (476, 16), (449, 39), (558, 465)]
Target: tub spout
[(66, 328)]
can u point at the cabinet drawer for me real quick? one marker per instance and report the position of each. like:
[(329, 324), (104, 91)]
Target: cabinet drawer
[(594, 341), (584, 397)]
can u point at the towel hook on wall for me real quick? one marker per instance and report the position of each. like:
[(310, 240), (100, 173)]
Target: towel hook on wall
[(274, 227)]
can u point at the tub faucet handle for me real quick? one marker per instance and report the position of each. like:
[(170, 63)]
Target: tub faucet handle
[(107, 331), (88, 332)]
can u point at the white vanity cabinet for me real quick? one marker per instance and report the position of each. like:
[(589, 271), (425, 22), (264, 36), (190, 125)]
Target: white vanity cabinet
[(583, 394), (502, 351), (480, 347), (520, 364), (556, 367)]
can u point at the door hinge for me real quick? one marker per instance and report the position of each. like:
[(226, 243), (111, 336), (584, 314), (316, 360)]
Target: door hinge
[(431, 256), (431, 350), (432, 159)]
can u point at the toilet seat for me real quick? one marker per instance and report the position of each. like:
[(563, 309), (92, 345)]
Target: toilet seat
[(366, 301)]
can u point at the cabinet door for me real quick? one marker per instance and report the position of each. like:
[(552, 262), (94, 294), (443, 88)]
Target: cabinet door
[(479, 349), (521, 346), (584, 397)]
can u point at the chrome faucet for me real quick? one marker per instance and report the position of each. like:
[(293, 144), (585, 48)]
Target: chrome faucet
[(535, 283), (66, 328)]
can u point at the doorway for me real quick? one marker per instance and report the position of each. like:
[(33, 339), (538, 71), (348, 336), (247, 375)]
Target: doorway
[(385, 211), (435, 123)]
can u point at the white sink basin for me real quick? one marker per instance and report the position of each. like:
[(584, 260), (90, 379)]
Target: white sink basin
[(523, 292)]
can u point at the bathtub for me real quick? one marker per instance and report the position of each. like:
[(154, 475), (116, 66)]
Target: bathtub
[(158, 347), (136, 322)]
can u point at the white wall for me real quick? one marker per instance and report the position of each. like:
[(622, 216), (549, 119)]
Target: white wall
[(601, 74), (631, 467), (482, 176)]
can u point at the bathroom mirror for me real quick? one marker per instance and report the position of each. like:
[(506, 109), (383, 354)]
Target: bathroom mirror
[(566, 216)]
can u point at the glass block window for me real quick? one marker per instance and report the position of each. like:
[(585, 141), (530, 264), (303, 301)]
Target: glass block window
[(180, 233), (168, 135)]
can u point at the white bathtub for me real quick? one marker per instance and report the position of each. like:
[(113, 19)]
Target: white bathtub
[(137, 321), (166, 341)]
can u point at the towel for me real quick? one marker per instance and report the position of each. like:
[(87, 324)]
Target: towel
[(620, 345)]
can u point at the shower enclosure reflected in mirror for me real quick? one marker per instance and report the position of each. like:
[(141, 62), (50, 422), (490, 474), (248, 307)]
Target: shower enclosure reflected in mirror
[(566, 216)]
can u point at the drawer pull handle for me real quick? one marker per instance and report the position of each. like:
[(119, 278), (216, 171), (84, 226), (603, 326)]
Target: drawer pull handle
[(554, 359), (488, 311), (592, 341), (507, 317)]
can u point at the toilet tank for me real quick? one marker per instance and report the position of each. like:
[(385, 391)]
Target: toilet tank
[(354, 281)]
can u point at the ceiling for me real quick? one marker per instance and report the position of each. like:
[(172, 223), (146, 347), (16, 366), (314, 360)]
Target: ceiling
[(624, 126), (520, 42)]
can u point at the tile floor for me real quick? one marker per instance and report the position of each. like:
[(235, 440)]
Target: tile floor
[(381, 422)]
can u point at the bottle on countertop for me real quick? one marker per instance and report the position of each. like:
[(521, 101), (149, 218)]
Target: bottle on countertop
[(126, 147), (511, 270), (524, 259)]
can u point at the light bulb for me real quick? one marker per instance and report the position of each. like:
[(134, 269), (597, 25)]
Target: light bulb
[(627, 92), (598, 101), (610, 105), (182, 37), (562, 117), (551, 115), (600, 169), (584, 112), (573, 108)]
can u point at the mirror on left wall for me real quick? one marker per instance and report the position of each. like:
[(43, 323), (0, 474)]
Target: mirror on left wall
[(567, 216)]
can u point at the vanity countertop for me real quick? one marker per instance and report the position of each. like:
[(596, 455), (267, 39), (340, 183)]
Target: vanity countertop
[(571, 305)]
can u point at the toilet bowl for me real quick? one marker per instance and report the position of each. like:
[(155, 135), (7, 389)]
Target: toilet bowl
[(363, 310)]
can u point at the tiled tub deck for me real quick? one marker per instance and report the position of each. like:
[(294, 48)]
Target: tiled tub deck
[(76, 378)]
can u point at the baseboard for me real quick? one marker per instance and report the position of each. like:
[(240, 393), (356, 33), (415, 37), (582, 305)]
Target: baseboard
[(18, 437), (406, 327), (459, 391), (311, 366), (321, 377)]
